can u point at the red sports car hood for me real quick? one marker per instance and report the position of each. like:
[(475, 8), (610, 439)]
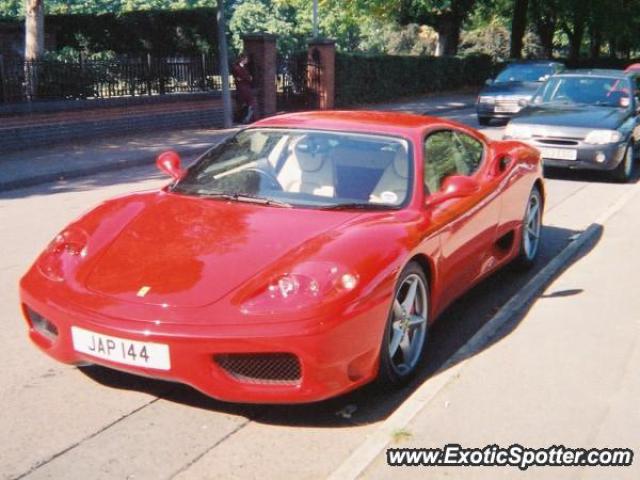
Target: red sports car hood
[(188, 251)]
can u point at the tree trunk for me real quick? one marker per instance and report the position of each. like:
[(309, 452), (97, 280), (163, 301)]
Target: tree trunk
[(575, 41), (595, 44), (34, 30), (448, 29), (613, 44), (33, 44), (518, 27), (545, 22)]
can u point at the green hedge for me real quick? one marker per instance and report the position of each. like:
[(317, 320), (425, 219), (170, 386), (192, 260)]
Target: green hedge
[(361, 78)]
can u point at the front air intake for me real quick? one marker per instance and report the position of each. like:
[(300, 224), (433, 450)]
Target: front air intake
[(261, 368)]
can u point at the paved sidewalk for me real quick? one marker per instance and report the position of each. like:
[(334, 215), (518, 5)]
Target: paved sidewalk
[(565, 374), (77, 159)]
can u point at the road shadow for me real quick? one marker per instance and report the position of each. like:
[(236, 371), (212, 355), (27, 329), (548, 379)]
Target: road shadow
[(455, 327)]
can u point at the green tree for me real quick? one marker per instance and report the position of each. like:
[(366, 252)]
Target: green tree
[(11, 8), (445, 16)]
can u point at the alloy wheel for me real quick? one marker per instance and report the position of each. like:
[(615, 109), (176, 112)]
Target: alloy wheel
[(532, 226), (408, 325)]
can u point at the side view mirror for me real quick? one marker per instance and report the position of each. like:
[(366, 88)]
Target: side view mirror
[(488, 81), (169, 162), (454, 186)]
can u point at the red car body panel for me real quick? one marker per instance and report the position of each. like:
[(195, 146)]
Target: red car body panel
[(205, 260)]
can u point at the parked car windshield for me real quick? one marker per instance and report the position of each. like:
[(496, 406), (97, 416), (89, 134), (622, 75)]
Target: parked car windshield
[(295, 167), (525, 73), (586, 90)]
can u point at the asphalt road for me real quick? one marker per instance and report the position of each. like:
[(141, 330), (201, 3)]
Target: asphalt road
[(59, 421)]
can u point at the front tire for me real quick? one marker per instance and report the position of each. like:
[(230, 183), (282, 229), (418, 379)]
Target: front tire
[(624, 171), (530, 231), (406, 329)]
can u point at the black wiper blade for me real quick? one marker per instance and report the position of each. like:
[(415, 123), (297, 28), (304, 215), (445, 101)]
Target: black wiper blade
[(243, 197), (357, 206)]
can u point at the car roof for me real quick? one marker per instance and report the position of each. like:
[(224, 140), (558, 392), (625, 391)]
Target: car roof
[(368, 121), (595, 72), (549, 63)]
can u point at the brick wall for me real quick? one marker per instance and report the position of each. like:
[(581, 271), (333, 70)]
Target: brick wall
[(40, 129)]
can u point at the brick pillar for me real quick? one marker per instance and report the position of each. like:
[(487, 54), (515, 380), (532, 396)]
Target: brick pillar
[(261, 50), (323, 51)]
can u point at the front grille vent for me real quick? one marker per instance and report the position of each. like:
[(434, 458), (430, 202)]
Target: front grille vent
[(261, 368)]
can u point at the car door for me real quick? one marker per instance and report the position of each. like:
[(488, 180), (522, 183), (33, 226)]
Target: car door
[(468, 224)]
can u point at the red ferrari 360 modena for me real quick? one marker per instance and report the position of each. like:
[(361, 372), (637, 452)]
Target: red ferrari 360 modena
[(299, 259)]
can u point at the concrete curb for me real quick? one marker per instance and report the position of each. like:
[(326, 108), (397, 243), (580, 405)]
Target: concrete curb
[(144, 159), (75, 173), (141, 159), (367, 452), (448, 109)]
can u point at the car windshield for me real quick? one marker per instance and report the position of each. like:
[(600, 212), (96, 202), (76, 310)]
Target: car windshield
[(306, 168), (524, 73), (585, 90)]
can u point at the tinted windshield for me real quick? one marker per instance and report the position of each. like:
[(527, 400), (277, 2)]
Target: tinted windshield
[(587, 90), (305, 168), (524, 73)]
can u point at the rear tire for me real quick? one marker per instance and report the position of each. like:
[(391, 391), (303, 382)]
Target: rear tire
[(625, 169), (405, 334), (530, 231), (484, 121)]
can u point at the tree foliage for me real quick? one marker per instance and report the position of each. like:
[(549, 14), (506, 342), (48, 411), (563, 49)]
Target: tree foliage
[(566, 28)]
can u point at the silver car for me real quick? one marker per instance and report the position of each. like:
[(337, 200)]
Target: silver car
[(584, 119)]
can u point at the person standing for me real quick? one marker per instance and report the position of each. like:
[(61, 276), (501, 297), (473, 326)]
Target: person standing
[(244, 94)]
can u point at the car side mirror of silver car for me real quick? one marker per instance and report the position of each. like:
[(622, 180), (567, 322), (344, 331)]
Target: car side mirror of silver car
[(454, 186)]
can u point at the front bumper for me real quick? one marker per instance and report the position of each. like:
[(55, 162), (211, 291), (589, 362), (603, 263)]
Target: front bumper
[(589, 157), (334, 356), (490, 110)]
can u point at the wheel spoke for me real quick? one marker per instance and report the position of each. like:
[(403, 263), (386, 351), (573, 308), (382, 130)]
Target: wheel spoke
[(405, 346), (533, 214), (397, 309), (397, 336), (416, 320), (410, 299), (533, 232)]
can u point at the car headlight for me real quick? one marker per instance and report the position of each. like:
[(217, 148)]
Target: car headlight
[(487, 100), (517, 131), (306, 285), (65, 251), (601, 137)]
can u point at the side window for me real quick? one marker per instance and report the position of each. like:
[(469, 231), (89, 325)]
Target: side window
[(473, 151), (449, 153)]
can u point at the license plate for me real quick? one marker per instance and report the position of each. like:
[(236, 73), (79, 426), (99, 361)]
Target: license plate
[(507, 108), (121, 350), (559, 153)]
